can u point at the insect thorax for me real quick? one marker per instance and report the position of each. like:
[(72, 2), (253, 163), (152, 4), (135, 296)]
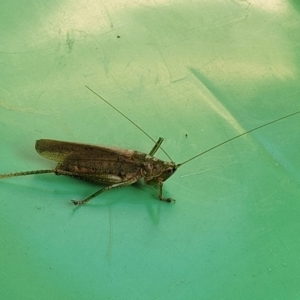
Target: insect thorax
[(156, 170)]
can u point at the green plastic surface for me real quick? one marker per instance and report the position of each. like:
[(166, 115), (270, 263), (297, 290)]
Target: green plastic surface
[(194, 72)]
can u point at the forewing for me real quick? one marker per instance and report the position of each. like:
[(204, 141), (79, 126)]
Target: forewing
[(59, 151)]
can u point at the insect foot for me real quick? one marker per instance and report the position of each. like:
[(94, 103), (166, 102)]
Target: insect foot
[(168, 200)]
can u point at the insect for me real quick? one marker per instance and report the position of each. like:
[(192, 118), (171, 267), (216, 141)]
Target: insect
[(111, 166)]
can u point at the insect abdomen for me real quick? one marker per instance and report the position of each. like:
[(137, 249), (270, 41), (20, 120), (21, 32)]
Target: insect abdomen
[(105, 172)]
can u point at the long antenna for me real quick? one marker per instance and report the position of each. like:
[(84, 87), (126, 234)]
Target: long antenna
[(235, 137), (129, 120)]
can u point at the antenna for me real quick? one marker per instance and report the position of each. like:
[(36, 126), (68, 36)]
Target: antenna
[(137, 126), (238, 136)]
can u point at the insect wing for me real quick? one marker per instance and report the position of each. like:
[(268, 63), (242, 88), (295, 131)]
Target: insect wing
[(60, 151)]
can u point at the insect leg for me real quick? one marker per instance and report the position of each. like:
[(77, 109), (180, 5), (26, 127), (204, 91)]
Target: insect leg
[(113, 186), (26, 173), (160, 186), (156, 146)]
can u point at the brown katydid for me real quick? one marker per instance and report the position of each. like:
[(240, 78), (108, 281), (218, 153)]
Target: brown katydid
[(111, 166)]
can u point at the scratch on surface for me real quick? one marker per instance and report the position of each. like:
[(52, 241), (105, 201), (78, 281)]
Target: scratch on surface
[(70, 41), (172, 287), (65, 128), (108, 15), (110, 241), (162, 56), (22, 109), (196, 173), (274, 254), (212, 100), (178, 145)]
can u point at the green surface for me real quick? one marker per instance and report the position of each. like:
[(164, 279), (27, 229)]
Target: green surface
[(193, 72)]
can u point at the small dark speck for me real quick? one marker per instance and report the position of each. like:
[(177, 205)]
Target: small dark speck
[(118, 37)]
